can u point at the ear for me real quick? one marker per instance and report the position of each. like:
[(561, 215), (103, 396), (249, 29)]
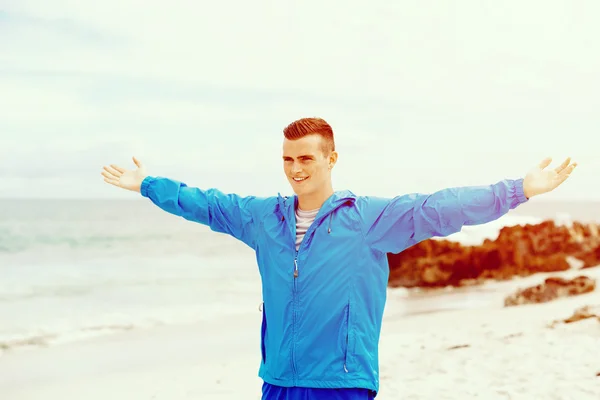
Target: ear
[(333, 157)]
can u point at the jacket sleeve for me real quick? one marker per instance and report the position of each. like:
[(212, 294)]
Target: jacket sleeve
[(223, 213), (392, 225)]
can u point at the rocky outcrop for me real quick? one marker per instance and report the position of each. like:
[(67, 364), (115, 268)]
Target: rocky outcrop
[(519, 250), (552, 288)]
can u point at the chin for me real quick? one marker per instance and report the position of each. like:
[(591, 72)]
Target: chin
[(299, 189)]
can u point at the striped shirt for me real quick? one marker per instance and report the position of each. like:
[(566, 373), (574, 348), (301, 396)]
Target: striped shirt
[(303, 220)]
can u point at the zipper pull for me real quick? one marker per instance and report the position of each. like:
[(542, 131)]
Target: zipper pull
[(295, 267)]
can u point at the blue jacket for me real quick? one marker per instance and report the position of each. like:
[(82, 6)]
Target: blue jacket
[(323, 305)]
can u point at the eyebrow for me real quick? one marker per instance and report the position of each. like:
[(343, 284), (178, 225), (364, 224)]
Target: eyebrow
[(302, 156)]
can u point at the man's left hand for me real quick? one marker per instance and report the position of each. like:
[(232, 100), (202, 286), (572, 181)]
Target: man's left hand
[(540, 180)]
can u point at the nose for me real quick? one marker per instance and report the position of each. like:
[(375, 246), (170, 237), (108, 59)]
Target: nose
[(296, 168)]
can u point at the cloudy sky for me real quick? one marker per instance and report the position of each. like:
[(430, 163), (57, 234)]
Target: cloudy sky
[(420, 97)]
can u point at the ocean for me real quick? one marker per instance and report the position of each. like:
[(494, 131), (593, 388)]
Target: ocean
[(71, 269)]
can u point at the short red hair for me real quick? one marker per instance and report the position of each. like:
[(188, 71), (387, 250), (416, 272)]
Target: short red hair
[(311, 126)]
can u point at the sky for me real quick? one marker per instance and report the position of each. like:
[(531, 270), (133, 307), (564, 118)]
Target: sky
[(420, 97)]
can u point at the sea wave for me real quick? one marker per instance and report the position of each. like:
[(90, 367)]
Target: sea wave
[(45, 340), (13, 242)]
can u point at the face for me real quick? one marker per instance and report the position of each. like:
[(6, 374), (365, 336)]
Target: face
[(306, 166)]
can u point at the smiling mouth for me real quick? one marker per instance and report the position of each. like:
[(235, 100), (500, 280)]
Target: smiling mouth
[(298, 180)]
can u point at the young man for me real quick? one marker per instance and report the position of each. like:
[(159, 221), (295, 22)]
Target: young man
[(322, 255)]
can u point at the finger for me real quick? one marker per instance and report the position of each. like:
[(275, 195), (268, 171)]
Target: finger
[(562, 166), (110, 176), (113, 182), (545, 162), (121, 170), (137, 162), (569, 169), (112, 171), (565, 173)]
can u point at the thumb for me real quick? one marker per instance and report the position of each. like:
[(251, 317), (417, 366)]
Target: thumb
[(137, 162), (545, 162)]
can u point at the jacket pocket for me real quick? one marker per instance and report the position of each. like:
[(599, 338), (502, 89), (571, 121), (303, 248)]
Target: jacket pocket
[(349, 336), (263, 332)]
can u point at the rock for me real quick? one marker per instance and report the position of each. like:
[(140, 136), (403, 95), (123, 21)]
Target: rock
[(579, 314), (584, 312), (589, 258), (459, 346), (552, 288), (519, 250)]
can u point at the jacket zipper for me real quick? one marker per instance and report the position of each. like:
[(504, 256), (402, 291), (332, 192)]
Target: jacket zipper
[(295, 267), (295, 285), (295, 288)]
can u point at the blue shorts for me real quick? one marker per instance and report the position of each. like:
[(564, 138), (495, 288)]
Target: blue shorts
[(271, 392)]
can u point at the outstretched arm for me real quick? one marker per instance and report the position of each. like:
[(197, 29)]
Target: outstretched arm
[(392, 225), (224, 213)]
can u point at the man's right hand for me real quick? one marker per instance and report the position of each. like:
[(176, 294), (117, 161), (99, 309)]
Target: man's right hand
[(123, 178)]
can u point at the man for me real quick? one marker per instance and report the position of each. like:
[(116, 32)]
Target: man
[(322, 255)]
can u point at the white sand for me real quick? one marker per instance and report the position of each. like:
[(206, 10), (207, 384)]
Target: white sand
[(512, 355)]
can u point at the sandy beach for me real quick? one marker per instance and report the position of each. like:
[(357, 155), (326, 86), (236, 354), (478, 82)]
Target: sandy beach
[(486, 352)]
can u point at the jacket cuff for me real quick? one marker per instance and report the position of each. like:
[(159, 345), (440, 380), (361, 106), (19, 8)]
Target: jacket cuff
[(519, 192), (144, 187)]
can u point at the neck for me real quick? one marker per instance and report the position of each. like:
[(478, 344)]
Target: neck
[(313, 201)]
